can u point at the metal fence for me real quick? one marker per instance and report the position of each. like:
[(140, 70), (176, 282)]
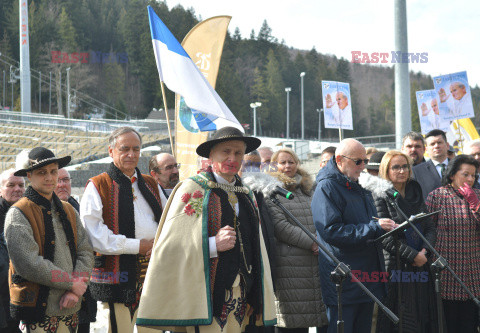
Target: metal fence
[(100, 125)]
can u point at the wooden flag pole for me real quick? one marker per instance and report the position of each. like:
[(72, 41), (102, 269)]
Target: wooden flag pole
[(166, 116)]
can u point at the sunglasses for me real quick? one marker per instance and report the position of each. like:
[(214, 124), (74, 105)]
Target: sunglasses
[(357, 162)]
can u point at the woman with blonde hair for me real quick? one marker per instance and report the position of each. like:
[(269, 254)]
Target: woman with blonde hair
[(417, 295), (299, 298)]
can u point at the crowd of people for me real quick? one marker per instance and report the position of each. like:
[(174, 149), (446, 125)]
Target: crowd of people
[(208, 254)]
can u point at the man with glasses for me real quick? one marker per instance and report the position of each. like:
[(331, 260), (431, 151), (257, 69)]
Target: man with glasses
[(473, 149), (64, 188), (120, 210), (164, 168), (343, 213), (88, 311)]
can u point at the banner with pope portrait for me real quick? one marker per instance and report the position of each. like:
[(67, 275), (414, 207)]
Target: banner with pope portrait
[(454, 95), (337, 105)]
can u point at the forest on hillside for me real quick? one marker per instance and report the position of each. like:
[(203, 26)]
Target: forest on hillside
[(121, 72)]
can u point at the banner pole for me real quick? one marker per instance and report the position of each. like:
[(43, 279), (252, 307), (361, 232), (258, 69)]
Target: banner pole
[(166, 116), (459, 133)]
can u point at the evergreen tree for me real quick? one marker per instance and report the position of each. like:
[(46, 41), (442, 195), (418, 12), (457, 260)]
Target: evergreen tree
[(67, 32), (237, 36)]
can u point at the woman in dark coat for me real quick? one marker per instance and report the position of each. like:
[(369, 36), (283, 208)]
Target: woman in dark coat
[(458, 240), (418, 300), (299, 297)]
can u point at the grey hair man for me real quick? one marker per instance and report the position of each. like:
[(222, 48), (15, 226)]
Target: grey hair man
[(120, 210), (12, 189), (473, 148), (343, 214)]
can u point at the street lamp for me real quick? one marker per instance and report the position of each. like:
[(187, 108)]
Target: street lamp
[(302, 74), (319, 124), (287, 90), (254, 106), (68, 92)]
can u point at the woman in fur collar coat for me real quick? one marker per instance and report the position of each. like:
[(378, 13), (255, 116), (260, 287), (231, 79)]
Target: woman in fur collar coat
[(299, 299), (417, 293)]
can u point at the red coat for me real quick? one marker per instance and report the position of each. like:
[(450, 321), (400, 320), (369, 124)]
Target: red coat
[(458, 241)]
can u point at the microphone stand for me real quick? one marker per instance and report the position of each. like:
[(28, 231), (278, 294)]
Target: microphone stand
[(341, 272), (437, 266)]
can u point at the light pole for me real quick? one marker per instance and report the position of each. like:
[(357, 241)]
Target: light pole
[(254, 106), (68, 92), (39, 92), (287, 90), (302, 74), (319, 124), (50, 94)]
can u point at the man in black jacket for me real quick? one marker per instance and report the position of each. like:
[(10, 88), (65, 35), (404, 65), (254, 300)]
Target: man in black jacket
[(88, 312), (11, 190)]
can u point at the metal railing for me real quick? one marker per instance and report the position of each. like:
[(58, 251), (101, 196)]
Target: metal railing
[(62, 123)]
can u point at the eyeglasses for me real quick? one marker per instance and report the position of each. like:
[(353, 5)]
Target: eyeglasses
[(357, 162), (65, 180), (170, 167), (397, 167)]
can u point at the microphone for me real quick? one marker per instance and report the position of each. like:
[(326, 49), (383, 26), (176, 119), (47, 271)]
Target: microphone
[(282, 192), (392, 194), (263, 182)]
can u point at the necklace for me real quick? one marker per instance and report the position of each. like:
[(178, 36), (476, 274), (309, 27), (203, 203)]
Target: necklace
[(233, 200)]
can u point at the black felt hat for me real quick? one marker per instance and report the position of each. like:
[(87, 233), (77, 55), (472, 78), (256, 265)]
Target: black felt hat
[(375, 160), (39, 157), (228, 134)]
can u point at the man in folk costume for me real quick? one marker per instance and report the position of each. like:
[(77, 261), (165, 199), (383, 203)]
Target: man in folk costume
[(120, 210), (209, 270), (50, 255)]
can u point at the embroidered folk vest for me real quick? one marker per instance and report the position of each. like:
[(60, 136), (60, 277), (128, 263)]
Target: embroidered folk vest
[(114, 277), (28, 300)]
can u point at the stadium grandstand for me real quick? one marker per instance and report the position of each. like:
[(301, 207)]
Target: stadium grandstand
[(84, 140)]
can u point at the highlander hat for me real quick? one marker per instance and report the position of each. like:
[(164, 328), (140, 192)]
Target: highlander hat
[(228, 134), (37, 158)]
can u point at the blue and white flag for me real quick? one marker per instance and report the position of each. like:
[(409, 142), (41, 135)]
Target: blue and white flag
[(183, 77)]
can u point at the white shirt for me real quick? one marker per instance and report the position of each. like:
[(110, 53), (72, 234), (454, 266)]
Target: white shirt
[(103, 239), (212, 244), (438, 167)]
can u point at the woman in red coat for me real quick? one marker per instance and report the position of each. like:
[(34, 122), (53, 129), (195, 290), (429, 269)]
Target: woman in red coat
[(458, 240)]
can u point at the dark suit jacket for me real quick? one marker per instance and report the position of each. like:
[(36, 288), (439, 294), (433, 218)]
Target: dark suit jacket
[(427, 176)]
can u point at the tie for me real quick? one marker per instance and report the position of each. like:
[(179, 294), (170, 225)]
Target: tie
[(133, 179), (442, 169)]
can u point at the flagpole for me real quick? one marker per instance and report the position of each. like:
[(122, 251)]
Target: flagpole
[(168, 119)]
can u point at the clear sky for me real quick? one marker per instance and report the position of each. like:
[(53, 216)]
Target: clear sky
[(448, 30)]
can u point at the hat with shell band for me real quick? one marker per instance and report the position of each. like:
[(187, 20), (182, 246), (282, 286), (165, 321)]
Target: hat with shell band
[(37, 158)]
